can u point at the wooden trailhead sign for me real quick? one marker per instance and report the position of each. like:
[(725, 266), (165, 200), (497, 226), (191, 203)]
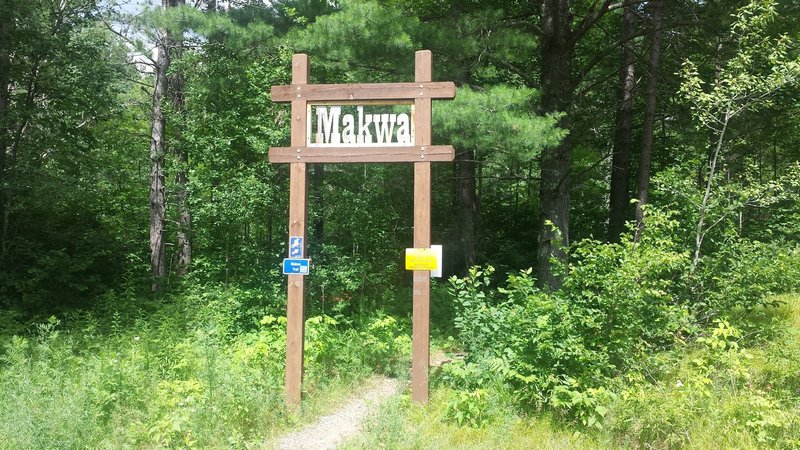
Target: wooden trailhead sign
[(359, 123)]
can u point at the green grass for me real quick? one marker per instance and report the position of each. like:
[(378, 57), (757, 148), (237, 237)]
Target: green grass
[(181, 376), (133, 391), (401, 425), (743, 395), (185, 375)]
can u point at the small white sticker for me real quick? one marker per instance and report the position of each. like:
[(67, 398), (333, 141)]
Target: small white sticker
[(437, 273)]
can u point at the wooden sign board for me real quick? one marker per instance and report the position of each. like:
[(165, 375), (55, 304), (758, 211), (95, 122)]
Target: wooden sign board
[(360, 123), (374, 124)]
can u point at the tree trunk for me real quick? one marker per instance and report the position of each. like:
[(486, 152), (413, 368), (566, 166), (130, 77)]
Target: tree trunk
[(158, 264), (184, 231), (554, 188), (620, 159), (700, 231), (176, 84), (467, 207), (4, 125), (712, 134), (646, 157)]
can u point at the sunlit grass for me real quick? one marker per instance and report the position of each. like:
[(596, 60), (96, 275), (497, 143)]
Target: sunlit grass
[(699, 398), (403, 425), (175, 379), (154, 385)]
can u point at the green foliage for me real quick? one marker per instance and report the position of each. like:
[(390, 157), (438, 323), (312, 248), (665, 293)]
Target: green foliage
[(204, 371), (361, 31), (559, 349), (762, 65), (634, 348), (589, 405), (69, 172), (714, 390), (353, 284), (400, 424), (619, 304), (230, 125), (387, 345), (747, 81), (501, 146), (468, 408), (502, 128), (743, 275), (723, 390)]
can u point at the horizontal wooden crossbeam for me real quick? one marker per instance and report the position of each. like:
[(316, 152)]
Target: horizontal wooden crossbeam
[(363, 92), (376, 154)]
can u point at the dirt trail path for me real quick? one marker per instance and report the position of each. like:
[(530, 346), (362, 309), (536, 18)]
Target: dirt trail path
[(331, 430)]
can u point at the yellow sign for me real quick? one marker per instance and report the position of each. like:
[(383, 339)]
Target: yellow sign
[(421, 259)]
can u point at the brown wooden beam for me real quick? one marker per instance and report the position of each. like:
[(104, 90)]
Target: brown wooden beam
[(386, 154), (295, 306), (363, 92), (420, 327)]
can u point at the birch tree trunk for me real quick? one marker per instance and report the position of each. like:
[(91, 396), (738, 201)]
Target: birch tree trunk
[(700, 231)]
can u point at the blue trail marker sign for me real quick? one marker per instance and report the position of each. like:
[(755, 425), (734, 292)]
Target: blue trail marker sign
[(295, 266), (295, 247)]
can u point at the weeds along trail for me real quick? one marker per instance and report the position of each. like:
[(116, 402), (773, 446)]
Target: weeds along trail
[(333, 429)]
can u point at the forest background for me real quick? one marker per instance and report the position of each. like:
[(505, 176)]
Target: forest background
[(622, 211)]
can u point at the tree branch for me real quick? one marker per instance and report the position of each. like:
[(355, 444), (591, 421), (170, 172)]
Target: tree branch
[(601, 55), (594, 14), (124, 38), (584, 171)]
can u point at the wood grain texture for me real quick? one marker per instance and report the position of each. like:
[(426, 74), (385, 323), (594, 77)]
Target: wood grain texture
[(363, 92), (420, 333), (388, 154), (300, 73), (295, 307)]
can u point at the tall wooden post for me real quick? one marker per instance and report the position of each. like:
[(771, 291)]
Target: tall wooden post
[(385, 150), (295, 307), (420, 340)]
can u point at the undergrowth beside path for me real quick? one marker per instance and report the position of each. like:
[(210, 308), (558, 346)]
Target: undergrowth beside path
[(734, 387), (196, 371)]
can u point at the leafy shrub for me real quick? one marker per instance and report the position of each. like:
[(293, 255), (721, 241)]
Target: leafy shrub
[(710, 398), (232, 309), (346, 351), (468, 407), (744, 275), (559, 349), (386, 343), (197, 372)]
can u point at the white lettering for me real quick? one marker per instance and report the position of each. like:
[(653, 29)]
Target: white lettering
[(328, 125), (403, 129), (349, 131), (364, 137), (335, 128), (384, 127)]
